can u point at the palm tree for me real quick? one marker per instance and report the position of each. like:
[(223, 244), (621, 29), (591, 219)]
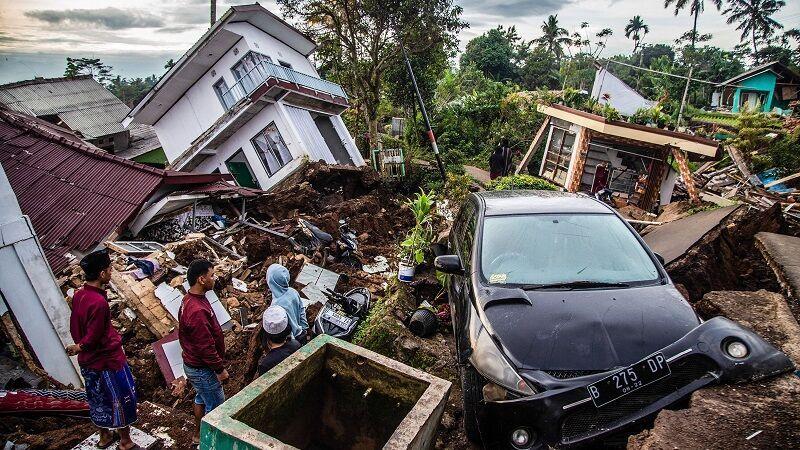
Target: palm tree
[(554, 36), (634, 28), (754, 19), (695, 8)]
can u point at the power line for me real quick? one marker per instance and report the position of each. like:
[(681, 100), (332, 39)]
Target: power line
[(715, 83)]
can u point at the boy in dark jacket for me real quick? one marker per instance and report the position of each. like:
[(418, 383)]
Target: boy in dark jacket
[(202, 342), (278, 341)]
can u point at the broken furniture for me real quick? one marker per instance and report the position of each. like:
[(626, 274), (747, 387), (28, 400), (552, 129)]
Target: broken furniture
[(325, 387)]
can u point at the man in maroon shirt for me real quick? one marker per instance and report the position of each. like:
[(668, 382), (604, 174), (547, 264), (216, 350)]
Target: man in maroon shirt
[(202, 342), (110, 389)]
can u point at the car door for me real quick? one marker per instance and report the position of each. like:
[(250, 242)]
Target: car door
[(461, 285)]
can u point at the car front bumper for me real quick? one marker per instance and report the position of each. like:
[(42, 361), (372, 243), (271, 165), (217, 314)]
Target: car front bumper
[(564, 415)]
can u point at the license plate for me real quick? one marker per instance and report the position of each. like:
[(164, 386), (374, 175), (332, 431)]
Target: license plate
[(625, 381)]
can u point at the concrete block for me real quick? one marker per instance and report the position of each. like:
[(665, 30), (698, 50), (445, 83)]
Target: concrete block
[(331, 394), (138, 436)]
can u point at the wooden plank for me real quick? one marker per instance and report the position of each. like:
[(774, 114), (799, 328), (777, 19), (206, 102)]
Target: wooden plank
[(782, 180), (740, 162), (534, 145)]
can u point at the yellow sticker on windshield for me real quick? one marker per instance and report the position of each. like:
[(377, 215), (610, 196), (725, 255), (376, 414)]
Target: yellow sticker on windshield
[(498, 278)]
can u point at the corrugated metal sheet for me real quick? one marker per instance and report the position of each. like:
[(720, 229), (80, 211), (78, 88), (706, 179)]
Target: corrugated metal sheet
[(82, 103), (75, 194)]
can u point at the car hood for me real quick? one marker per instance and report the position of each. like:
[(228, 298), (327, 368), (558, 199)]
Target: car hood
[(587, 329)]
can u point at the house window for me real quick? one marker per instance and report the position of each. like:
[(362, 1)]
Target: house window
[(271, 148), (558, 155), (225, 96), (249, 72), (285, 64)]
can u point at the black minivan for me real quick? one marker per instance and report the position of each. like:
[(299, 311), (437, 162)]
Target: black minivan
[(567, 326)]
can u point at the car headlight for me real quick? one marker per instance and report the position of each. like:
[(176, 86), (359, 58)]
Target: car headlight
[(492, 364)]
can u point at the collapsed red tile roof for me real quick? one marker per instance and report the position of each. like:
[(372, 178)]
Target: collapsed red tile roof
[(75, 194)]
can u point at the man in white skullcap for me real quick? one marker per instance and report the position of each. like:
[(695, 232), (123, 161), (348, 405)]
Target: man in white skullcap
[(279, 343)]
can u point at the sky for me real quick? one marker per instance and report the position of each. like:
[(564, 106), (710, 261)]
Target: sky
[(137, 38)]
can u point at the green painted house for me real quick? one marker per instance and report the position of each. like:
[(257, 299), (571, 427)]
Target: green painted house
[(768, 87)]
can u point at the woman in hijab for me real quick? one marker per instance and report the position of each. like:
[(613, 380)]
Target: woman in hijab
[(288, 299)]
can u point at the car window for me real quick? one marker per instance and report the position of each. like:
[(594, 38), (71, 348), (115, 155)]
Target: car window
[(467, 235), (562, 248)]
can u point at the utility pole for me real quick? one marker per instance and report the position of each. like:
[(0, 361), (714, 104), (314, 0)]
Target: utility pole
[(431, 136), (691, 66), (213, 12)]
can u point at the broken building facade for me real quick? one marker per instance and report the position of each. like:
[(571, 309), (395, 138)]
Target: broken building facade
[(246, 100), (585, 152)]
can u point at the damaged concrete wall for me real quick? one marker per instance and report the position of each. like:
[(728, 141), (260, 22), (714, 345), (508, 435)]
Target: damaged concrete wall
[(30, 292)]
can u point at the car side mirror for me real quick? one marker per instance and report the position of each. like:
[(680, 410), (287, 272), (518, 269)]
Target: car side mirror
[(449, 264), (660, 258)]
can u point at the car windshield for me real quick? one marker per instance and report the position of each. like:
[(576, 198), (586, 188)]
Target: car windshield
[(543, 249)]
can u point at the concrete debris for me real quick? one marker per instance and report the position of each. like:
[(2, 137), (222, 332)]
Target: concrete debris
[(138, 436), (782, 253), (380, 265)]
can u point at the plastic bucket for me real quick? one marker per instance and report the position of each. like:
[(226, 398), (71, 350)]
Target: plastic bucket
[(405, 272)]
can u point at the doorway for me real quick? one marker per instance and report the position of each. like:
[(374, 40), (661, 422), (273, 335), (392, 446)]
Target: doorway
[(332, 140), (240, 169)]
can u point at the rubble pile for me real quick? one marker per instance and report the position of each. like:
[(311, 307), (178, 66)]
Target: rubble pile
[(241, 251), (734, 182)]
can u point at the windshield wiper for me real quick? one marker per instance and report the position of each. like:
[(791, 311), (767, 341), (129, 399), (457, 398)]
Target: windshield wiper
[(574, 285)]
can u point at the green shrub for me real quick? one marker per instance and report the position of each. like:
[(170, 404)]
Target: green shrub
[(522, 181)]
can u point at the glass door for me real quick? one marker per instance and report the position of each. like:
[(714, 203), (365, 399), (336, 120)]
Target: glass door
[(248, 72)]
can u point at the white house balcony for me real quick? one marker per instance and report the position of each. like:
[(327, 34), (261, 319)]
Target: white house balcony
[(276, 82)]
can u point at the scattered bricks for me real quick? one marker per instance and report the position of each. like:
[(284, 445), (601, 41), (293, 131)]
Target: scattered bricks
[(177, 281), (232, 302), (124, 286)]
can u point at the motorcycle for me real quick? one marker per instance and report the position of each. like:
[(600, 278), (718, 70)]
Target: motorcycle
[(605, 195), (316, 243), (342, 312)]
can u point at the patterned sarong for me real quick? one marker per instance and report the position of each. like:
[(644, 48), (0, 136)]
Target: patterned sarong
[(111, 396)]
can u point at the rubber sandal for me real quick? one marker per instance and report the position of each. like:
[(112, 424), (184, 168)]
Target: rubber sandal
[(114, 438)]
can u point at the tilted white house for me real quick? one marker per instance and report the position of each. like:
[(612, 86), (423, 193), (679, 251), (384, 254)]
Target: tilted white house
[(246, 100)]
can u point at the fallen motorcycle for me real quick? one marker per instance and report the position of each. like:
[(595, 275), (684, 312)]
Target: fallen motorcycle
[(342, 312), (312, 241)]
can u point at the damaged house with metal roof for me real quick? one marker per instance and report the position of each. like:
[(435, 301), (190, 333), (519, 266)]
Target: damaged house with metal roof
[(246, 100), (61, 198), (585, 152), (84, 106)]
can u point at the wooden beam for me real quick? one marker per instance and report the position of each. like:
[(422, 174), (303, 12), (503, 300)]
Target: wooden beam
[(686, 174), (534, 145), (740, 162), (782, 180)]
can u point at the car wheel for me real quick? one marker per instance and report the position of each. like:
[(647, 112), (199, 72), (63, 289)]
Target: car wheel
[(472, 389)]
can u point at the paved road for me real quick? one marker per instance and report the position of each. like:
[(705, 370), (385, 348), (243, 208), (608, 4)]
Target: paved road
[(784, 251), (479, 174), (673, 239)]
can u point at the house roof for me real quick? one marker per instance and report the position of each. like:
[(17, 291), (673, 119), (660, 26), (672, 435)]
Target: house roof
[(76, 194), (657, 136), (208, 50), (619, 94), (774, 66), (81, 103)]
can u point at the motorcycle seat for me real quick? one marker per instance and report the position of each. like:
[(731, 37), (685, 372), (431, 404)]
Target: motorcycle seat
[(318, 233)]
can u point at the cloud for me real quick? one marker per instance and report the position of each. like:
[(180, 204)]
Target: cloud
[(515, 8), (110, 18), (5, 37), (176, 29)]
